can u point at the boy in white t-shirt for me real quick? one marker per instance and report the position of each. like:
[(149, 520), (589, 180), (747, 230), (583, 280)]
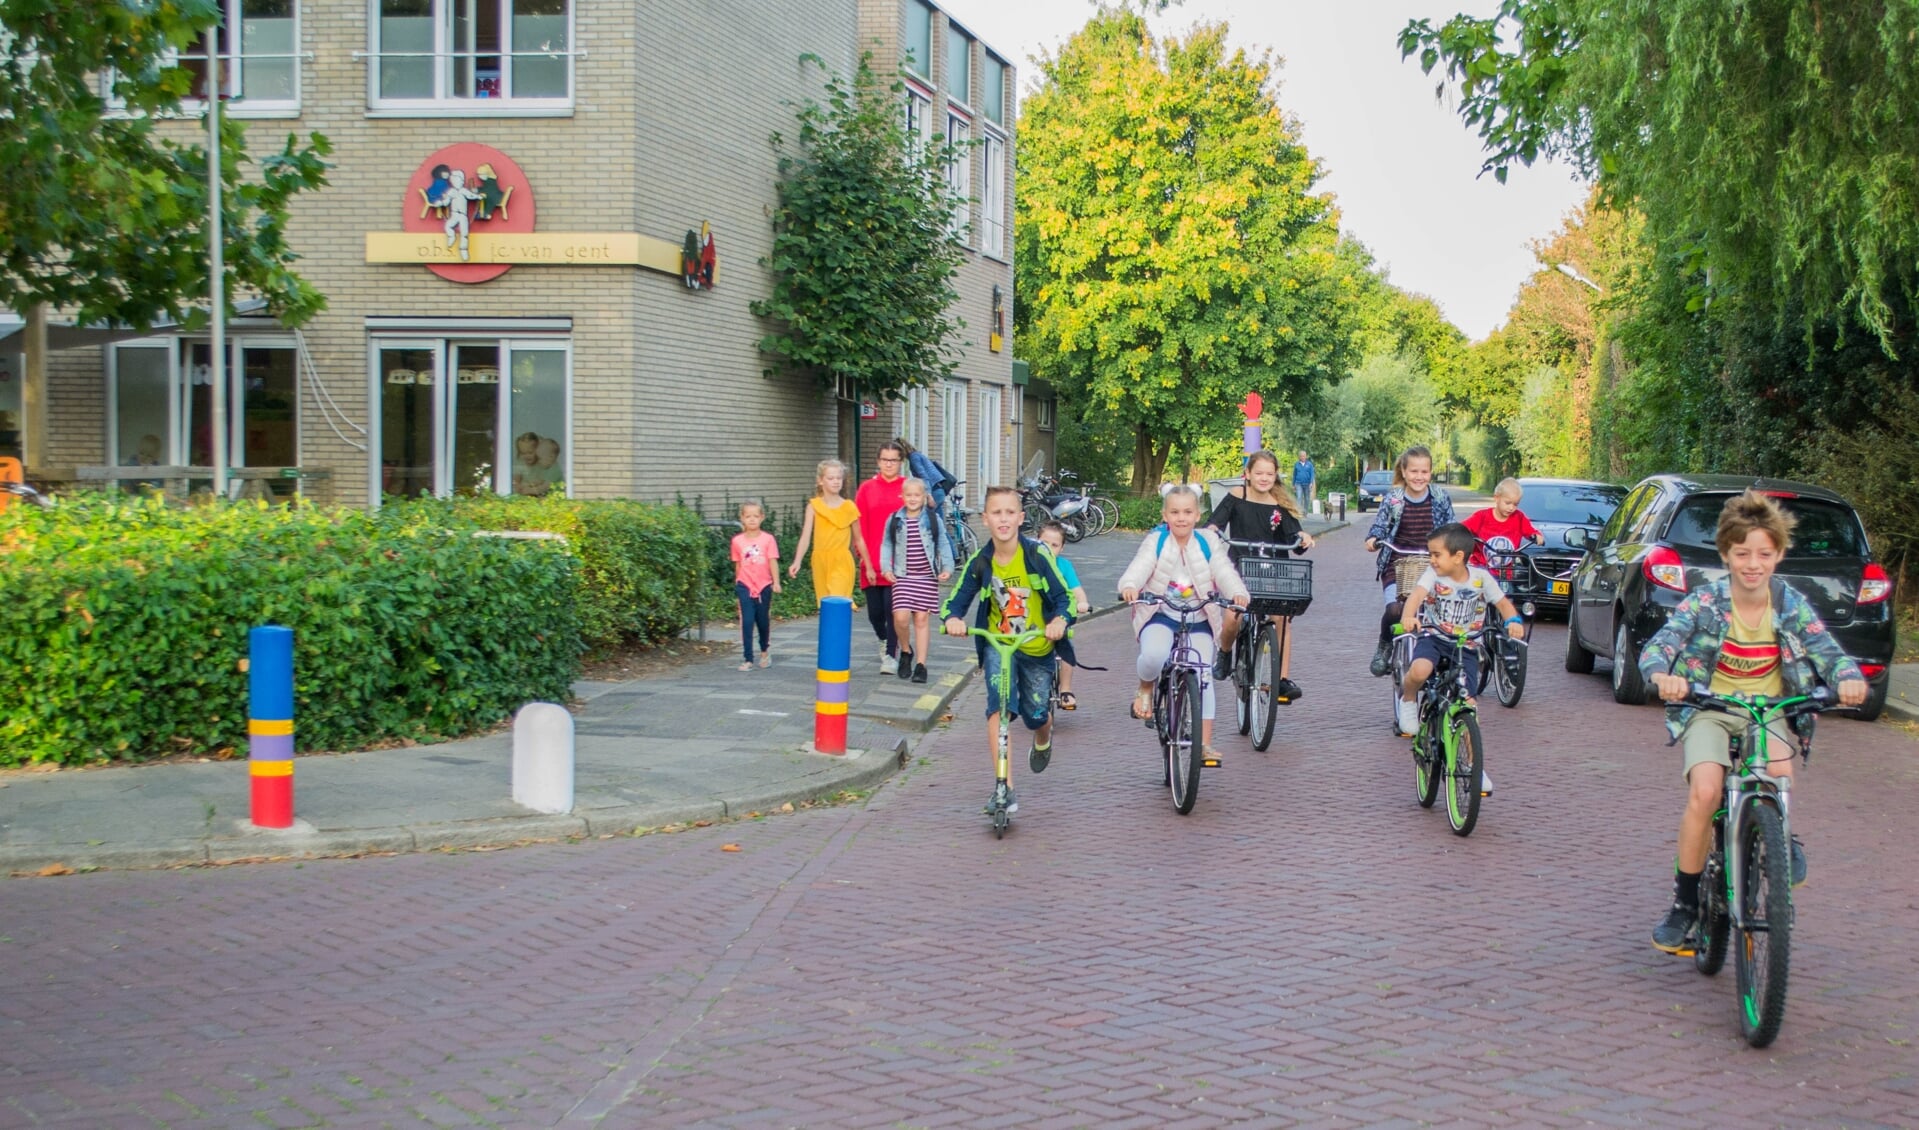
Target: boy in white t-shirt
[(1459, 596)]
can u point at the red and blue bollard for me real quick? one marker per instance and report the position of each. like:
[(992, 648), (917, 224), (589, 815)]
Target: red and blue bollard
[(270, 725), (835, 667)]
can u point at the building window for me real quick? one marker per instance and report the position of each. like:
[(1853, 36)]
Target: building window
[(475, 54), (989, 437), (993, 196), (12, 371), (953, 433), (471, 416), (992, 93), (260, 74), (959, 64), (918, 45), (959, 175), (1044, 410), (916, 418), (919, 116), (160, 402)]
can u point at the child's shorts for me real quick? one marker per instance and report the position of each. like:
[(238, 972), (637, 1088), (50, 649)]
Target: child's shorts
[(1032, 685), (1436, 651), (1709, 734)]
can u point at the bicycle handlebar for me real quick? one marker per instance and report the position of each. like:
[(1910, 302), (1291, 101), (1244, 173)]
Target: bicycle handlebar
[(1181, 606), (1701, 697), (1293, 546), (1009, 639)]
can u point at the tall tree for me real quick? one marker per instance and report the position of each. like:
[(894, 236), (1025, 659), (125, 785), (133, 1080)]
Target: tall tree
[(1173, 253), (864, 253), (103, 214)]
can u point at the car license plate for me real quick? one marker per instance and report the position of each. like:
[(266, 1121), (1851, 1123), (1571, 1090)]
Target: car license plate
[(1560, 588)]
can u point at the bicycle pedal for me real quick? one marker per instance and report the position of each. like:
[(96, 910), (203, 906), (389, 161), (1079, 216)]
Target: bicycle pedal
[(1209, 762)]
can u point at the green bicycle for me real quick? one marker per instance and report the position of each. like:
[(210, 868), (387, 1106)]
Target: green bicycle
[(1746, 891), (1447, 747), (1000, 809)]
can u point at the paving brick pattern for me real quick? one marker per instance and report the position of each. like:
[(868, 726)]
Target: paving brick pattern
[(1307, 948)]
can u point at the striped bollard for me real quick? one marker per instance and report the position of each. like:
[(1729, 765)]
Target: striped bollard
[(270, 725), (835, 664), (1250, 408)]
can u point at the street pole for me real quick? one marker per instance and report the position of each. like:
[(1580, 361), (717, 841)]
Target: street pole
[(217, 275)]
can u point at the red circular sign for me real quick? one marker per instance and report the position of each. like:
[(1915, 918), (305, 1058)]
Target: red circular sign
[(491, 189)]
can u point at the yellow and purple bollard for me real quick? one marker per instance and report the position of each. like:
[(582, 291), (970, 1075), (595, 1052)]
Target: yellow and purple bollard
[(835, 667), (270, 725)]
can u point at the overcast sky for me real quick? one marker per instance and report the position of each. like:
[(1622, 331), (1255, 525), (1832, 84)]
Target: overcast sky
[(1404, 168)]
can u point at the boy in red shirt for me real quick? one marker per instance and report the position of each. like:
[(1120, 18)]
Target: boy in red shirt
[(1502, 520)]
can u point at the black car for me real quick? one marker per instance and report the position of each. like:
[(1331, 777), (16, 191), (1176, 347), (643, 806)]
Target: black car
[(1556, 507), (1659, 544), (1373, 486)]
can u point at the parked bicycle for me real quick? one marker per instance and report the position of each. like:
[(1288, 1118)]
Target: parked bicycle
[(1178, 701), (959, 523), (1746, 890), (1281, 589), (1001, 808), (1447, 746)]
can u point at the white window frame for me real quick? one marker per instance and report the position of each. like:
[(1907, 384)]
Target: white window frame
[(443, 346), (232, 64), (918, 116), (992, 63), (953, 431), (993, 195), (916, 417), (959, 172), (953, 30), (443, 103), (991, 435), (176, 441), (1046, 412)]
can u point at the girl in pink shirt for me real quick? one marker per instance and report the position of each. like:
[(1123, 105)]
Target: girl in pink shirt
[(756, 578)]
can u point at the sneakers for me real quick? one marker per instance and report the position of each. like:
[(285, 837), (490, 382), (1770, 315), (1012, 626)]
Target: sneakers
[(1382, 661), (905, 663), (992, 802), (1674, 934), (1798, 863), (919, 672), (1223, 666), (888, 664), (1039, 757), (1285, 690), (1406, 714)]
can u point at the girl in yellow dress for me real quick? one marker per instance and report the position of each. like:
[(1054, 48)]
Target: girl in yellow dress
[(838, 522)]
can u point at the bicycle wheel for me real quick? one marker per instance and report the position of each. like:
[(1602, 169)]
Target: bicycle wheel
[(1714, 921), (1426, 769), (964, 539), (1074, 527), (1509, 673), (1765, 935), (1185, 750), (1244, 682), (1265, 677), (1034, 516), (1464, 761)]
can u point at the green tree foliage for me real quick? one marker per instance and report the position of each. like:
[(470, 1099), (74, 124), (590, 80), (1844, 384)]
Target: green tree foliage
[(1771, 141), (1173, 254), (1387, 405), (864, 253), (100, 212)]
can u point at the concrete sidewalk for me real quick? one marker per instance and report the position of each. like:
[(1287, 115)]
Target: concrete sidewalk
[(1902, 695), (701, 742)]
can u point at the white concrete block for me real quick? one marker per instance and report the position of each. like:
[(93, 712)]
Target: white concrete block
[(543, 757)]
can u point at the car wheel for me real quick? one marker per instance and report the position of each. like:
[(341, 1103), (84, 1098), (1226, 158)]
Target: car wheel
[(1875, 703), (1579, 661), (1628, 685)]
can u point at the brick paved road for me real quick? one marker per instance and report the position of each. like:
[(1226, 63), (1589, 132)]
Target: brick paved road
[(1307, 947)]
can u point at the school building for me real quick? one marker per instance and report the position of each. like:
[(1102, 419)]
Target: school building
[(539, 248)]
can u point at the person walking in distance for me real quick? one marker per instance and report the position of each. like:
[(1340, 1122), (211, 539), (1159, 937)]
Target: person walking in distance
[(756, 577), (837, 523), (1305, 481), (878, 498)]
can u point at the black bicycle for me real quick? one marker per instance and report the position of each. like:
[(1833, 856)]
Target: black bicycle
[(1746, 891), (1281, 589), (1505, 657), (1179, 701)]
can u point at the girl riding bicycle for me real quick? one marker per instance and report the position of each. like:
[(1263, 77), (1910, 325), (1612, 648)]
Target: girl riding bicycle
[(1412, 510), (1179, 560), (1260, 511)]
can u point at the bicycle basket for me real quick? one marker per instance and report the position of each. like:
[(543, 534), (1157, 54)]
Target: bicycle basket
[(1279, 587), (1408, 569)]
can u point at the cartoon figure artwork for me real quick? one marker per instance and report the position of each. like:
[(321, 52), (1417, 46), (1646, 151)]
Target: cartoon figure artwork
[(493, 198), (699, 258), (1009, 602), (458, 220), (999, 321), (435, 192)]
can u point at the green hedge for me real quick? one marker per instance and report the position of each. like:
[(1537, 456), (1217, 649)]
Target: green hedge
[(1142, 512), (795, 598), (123, 625), (642, 565)]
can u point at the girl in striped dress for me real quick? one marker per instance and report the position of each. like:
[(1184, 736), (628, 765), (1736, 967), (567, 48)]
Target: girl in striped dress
[(916, 554)]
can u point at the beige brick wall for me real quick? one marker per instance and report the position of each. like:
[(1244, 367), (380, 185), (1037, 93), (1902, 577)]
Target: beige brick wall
[(674, 107)]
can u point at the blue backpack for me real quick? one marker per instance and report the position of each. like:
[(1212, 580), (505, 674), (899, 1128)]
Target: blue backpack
[(1205, 547)]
